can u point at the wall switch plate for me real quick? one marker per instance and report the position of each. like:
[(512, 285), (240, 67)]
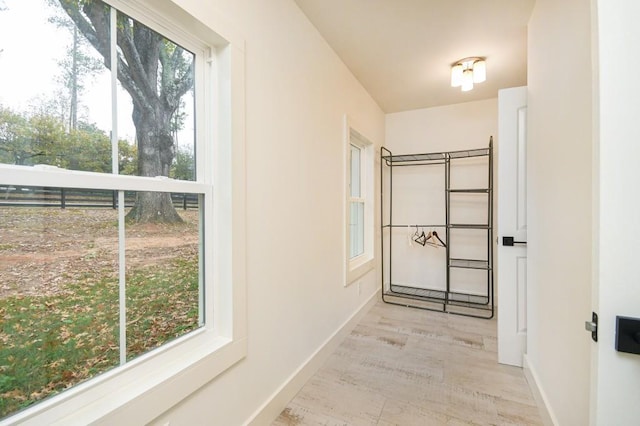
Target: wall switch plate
[(628, 335)]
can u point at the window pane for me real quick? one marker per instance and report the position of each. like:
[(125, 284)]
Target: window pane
[(356, 229), (55, 106), (355, 171), (163, 284), (60, 277), (58, 291), (161, 122), (59, 287)]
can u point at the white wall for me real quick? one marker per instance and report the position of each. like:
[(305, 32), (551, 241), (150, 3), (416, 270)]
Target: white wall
[(559, 205), (419, 197), (616, 385), (447, 128), (297, 92)]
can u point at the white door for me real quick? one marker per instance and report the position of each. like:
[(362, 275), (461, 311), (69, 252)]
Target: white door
[(616, 375), (512, 223)]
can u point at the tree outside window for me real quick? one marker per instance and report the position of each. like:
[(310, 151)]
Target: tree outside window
[(105, 265)]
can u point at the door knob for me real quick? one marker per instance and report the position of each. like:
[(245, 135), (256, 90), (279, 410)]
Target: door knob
[(509, 241), (628, 335)]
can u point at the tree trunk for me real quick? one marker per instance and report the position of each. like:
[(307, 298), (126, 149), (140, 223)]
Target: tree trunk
[(156, 75), (155, 154), (154, 207)]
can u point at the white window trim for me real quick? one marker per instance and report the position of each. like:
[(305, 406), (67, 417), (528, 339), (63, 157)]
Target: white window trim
[(146, 387), (358, 266)]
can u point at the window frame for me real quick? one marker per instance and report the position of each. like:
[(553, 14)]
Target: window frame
[(357, 266), (145, 387)]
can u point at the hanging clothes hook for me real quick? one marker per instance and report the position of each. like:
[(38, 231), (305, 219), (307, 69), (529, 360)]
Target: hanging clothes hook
[(435, 234), (434, 240), (420, 238), (409, 236)]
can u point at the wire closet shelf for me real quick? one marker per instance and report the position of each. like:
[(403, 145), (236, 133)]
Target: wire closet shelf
[(478, 303)]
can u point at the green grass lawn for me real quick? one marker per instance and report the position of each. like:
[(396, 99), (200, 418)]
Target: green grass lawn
[(50, 343)]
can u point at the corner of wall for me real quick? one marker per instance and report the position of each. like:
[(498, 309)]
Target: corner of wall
[(548, 419)]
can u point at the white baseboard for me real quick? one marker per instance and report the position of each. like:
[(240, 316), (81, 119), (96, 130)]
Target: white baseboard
[(548, 419), (270, 410)]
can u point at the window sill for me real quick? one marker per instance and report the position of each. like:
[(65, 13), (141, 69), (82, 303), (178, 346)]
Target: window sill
[(358, 267)]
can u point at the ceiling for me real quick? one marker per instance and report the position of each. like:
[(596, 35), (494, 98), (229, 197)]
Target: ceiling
[(402, 50)]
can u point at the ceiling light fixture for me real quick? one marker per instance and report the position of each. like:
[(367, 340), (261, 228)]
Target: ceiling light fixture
[(467, 71)]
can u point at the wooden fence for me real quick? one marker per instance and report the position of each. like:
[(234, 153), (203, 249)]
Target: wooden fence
[(21, 196)]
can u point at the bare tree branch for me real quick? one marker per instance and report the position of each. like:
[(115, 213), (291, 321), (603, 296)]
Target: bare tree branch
[(90, 29), (131, 52)]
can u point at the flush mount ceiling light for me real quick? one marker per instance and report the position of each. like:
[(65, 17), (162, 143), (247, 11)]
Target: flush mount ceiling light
[(467, 71)]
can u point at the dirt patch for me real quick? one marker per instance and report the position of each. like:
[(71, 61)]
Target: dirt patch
[(42, 248)]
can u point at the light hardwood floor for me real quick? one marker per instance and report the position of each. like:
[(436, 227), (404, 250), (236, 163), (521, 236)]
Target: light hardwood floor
[(404, 366)]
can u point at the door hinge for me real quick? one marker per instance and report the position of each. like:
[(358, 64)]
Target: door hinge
[(592, 326)]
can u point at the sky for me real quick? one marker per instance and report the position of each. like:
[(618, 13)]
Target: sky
[(30, 48)]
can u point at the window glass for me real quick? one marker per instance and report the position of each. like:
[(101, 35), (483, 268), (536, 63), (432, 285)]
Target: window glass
[(359, 220), (163, 283), (356, 229), (356, 208), (355, 171), (92, 278), (160, 125), (56, 107), (59, 296), (58, 291)]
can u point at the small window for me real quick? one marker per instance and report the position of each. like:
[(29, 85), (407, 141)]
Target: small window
[(359, 233), (356, 204)]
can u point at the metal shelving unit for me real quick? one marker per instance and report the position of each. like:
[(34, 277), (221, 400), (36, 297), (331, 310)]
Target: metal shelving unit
[(450, 300)]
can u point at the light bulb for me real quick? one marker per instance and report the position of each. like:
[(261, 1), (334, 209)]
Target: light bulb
[(479, 71), (456, 75), (467, 80)]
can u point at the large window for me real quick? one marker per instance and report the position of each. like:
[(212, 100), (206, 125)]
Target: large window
[(106, 201), (359, 233)]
